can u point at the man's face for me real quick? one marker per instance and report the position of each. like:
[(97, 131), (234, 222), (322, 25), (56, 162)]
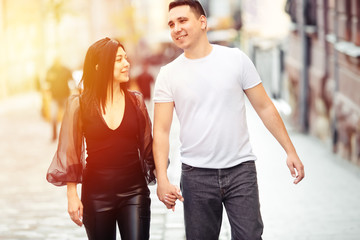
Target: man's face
[(185, 27)]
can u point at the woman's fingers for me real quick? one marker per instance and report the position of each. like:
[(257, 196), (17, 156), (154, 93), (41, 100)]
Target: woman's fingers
[(75, 210), (75, 218)]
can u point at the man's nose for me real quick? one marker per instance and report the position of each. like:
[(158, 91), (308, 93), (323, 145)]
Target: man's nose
[(177, 28)]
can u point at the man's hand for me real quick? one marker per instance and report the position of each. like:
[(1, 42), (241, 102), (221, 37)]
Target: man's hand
[(168, 194), (293, 162)]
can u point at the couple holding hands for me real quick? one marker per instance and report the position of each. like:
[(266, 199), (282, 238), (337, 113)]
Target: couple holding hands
[(206, 85)]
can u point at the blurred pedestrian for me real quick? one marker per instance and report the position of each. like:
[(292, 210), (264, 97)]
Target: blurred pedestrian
[(144, 81), (117, 130), (57, 79), (206, 85)]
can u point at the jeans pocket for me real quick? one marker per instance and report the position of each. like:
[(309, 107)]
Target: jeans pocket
[(186, 168), (249, 164)]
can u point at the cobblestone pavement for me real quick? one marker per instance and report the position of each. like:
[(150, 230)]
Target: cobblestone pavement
[(325, 206)]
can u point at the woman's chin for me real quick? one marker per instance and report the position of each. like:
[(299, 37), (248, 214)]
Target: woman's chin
[(123, 80)]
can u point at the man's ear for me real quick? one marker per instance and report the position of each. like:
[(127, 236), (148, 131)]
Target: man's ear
[(203, 21)]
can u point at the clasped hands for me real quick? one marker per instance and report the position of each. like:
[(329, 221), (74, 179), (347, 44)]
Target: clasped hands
[(168, 194)]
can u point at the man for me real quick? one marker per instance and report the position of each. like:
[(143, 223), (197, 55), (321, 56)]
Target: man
[(207, 85)]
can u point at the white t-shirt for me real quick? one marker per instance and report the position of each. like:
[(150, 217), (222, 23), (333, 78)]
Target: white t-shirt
[(209, 101)]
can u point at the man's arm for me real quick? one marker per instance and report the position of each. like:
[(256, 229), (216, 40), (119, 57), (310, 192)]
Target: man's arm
[(273, 122), (163, 113)]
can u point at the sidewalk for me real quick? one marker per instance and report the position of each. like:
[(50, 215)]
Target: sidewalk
[(325, 206)]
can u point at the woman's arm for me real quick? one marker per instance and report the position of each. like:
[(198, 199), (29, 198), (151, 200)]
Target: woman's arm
[(75, 207), (69, 159)]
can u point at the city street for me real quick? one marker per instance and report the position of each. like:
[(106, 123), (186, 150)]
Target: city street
[(324, 206)]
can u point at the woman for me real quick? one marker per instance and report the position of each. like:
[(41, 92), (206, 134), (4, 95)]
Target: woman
[(116, 127)]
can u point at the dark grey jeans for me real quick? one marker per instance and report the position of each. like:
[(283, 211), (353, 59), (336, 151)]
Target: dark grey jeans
[(205, 191)]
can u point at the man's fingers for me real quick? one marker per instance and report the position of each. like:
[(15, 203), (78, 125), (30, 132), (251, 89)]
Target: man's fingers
[(292, 170), (301, 174), (178, 194)]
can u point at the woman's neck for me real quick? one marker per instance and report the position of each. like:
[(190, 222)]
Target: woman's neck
[(116, 93)]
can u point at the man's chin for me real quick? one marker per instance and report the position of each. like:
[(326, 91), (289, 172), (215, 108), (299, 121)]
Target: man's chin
[(183, 46)]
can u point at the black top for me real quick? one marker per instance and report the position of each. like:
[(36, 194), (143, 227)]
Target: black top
[(69, 160), (107, 148)]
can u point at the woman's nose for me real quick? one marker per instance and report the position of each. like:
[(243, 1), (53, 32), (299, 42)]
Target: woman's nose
[(127, 64)]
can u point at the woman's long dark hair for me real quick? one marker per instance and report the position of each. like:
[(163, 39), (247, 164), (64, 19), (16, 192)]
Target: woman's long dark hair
[(98, 72)]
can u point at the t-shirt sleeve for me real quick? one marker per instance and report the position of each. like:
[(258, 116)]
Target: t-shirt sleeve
[(249, 75), (162, 90)]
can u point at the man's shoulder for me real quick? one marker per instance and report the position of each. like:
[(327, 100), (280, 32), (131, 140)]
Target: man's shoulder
[(174, 63), (228, 50)]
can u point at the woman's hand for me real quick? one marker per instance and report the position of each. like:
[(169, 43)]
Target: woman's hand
[(75, 206)]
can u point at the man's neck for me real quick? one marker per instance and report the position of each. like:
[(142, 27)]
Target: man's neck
[(199, 51)]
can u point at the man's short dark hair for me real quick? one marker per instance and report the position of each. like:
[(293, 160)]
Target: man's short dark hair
[(193, 4)]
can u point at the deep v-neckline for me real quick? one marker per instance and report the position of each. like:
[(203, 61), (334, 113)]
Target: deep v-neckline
[(121, 121)]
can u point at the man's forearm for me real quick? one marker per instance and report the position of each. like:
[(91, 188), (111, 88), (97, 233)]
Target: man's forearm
[(273, 122), (161, 154)]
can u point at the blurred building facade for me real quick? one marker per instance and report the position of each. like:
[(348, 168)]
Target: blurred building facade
[(323, 65), (34, 32), (264, 31)]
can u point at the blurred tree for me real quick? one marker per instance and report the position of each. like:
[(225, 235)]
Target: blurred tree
[(130, 27)]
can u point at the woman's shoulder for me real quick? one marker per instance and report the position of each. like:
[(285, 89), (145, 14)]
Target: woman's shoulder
[(136, 94), (136, 97)]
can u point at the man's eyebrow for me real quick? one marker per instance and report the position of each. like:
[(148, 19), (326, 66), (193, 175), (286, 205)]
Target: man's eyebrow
[(178, 19)]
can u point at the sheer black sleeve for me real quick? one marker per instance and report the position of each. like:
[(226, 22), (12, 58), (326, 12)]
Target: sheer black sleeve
[(69, 160), (145, 138)]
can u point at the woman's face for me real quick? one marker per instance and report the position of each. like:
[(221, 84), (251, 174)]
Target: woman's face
[(121, 66)]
